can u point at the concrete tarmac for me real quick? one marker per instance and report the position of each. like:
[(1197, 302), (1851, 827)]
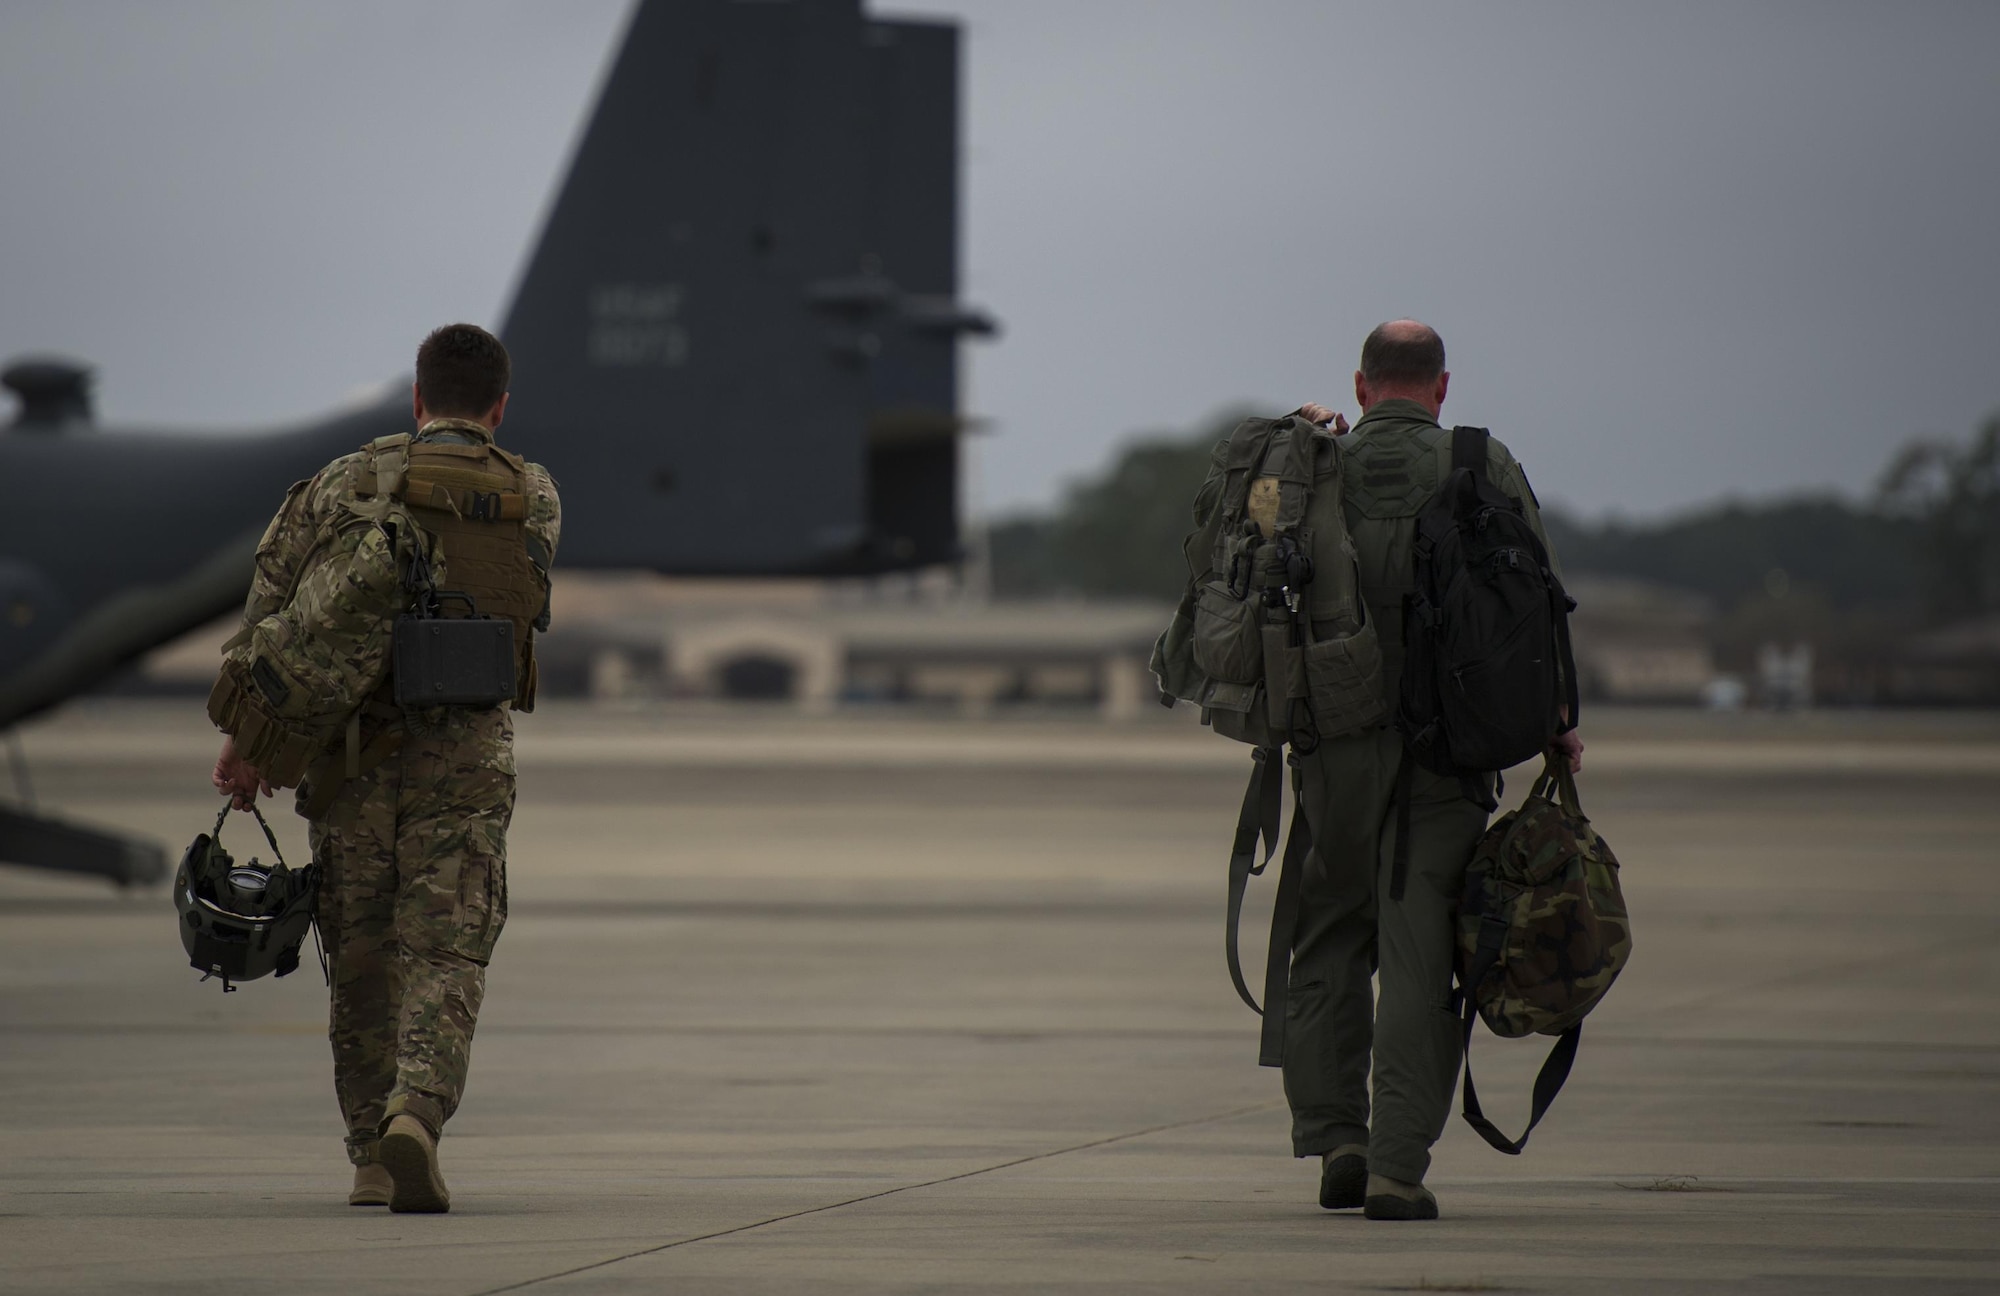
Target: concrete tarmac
[(876, 1005)]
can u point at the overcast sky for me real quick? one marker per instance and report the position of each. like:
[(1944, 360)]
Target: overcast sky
[(1676, 250)]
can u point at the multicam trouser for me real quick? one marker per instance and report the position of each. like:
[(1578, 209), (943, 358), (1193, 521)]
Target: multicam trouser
[(1335, 1025), (413, 895)]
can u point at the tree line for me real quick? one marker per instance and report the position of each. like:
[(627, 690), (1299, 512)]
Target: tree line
[(1924, 548)]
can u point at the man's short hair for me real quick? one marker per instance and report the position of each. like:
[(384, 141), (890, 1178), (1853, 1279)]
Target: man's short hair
[(462, 371), (1402, 353)]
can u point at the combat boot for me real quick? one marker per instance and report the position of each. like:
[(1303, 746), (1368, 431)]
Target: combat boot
[(371, 1185), (371, 1179), (1392, 1199), (409, 1151), (1343, 1177)]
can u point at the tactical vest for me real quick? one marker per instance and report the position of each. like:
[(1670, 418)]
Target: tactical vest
[(472, 500)]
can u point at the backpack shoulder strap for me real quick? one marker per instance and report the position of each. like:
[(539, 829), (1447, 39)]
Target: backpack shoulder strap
[(512, 460), (1468, 449), (388, 464)]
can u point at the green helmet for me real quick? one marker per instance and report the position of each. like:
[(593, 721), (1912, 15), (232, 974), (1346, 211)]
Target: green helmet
[(242, 921)]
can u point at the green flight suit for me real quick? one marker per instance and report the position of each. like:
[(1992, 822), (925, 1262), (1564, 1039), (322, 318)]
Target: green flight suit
[(1348, 928)]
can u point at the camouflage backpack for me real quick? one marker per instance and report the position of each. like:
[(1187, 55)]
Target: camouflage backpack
[(290, 682), (1542, 933)]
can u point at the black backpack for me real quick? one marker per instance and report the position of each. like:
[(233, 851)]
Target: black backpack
[(1488, 674)]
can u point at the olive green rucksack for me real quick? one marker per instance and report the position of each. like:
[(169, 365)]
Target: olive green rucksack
[(1271, 638), (1273, 642)]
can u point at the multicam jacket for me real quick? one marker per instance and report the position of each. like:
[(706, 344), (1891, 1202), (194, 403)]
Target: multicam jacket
[(327, 587)]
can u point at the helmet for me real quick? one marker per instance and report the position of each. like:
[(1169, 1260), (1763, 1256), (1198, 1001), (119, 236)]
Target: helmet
[(242, 921)]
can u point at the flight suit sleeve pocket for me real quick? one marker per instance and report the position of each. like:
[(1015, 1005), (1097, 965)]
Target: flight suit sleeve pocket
[(482, 908)]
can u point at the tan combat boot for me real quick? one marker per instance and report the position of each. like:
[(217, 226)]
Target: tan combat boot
[(371, 1180), (371, 1186), (1392, 1199), (409, 1151)]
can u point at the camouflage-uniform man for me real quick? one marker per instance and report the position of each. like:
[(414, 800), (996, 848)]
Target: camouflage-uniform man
[(1336, 1031), (408, 818)]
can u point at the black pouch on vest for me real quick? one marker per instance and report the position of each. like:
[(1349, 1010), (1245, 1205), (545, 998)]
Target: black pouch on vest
[(454, 661)]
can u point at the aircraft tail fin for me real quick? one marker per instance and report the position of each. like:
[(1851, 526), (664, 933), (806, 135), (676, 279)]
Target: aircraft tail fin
[(739, 328)]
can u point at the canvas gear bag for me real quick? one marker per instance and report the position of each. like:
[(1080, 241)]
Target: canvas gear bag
[(1273, 641), (1542, 933)]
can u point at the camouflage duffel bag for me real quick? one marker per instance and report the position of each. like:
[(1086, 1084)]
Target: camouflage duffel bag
[(1542, 933)]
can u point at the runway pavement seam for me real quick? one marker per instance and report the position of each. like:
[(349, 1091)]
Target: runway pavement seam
[(886, 1192)]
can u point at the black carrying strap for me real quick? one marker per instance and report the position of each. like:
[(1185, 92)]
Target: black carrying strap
[(1567, 656), (1284, 926), (269, 836), (1399, 868), (1263, 800), (1468, 450), (1548, 1083)]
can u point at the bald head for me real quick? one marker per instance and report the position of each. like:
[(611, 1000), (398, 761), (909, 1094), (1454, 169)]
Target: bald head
[(1402, 360)]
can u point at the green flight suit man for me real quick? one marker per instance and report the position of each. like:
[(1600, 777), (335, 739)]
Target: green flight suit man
[(1336, 1031)]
